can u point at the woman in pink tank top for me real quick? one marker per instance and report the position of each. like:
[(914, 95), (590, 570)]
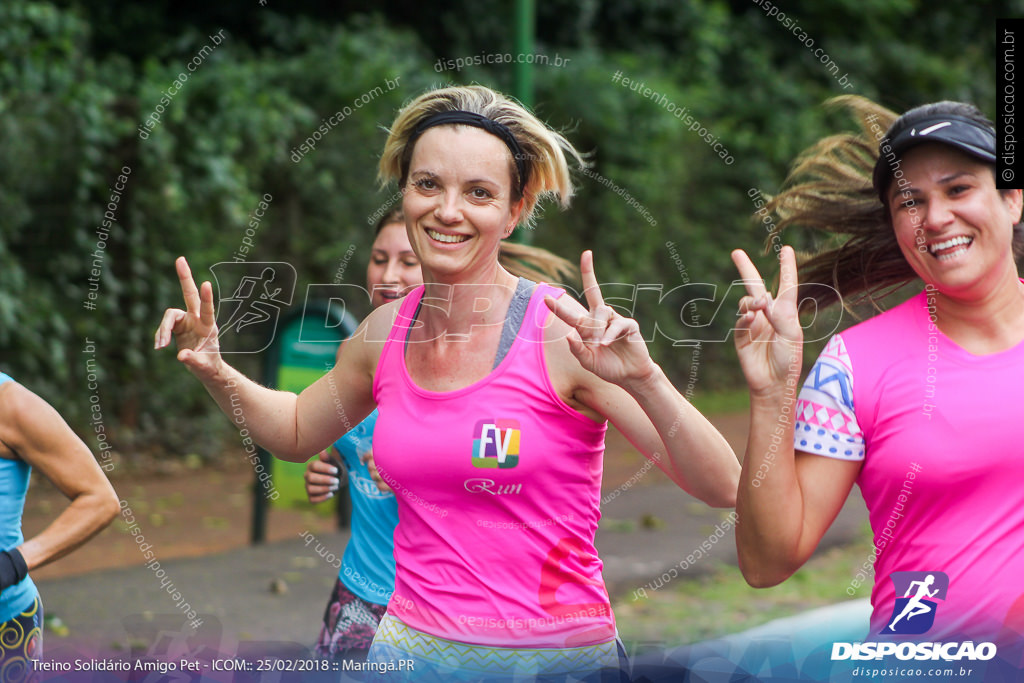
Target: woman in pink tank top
[(919, 405), (493, 394)]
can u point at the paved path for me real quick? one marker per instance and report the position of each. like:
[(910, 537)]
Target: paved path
[(270, 599)]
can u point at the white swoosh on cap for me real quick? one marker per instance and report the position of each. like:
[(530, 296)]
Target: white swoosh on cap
[(931, 129)]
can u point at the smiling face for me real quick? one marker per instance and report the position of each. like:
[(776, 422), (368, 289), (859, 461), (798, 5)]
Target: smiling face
[(393, 269), (953, 226), (458, 202)]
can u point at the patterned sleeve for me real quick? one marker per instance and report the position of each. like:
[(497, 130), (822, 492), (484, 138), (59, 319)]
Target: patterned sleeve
[(825, 420)]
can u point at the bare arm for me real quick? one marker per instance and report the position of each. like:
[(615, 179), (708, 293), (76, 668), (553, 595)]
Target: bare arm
[(291, 427), (295, 427), (700, 460), (786, 499), (618, 380), (784, 516), (33, 431)]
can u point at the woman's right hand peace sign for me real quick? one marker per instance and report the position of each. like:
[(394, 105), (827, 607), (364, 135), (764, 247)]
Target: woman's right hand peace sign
[(768, 336), (194, 329), (604, 342)]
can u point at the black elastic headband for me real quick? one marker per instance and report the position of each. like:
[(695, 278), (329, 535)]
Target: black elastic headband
[(965, 134), (469, 118)]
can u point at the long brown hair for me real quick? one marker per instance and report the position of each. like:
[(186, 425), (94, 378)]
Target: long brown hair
[(829, 190)]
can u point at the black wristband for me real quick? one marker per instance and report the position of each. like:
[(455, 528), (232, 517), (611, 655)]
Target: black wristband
[(13, 568)]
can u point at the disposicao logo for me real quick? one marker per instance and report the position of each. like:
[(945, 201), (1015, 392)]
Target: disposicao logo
[(914, 613), (918, 598)]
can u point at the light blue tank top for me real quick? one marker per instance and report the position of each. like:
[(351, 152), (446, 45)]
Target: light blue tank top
[(368, 565), (14, 476)]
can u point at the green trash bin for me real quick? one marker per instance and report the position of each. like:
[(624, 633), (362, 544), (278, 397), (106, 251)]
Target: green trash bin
[(302, 352)]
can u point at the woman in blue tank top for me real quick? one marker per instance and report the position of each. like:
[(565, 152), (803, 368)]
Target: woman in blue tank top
[(366, 578), (32, 434)]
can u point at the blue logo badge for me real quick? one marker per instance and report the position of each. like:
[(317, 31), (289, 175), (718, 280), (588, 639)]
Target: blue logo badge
[(916, 595)]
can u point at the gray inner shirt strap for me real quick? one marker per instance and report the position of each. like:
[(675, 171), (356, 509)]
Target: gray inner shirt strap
[(514, 318)]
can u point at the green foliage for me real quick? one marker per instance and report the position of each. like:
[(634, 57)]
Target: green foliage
[(220, 137), (79, 81), (715, 601)]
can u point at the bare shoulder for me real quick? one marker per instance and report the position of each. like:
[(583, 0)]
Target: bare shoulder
[(9, 429), (26, 419), (570, 380), (367, 342), (19, 408), (556, 344)]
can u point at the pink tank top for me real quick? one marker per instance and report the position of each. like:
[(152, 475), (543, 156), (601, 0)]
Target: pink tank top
[(943, 472), (498, 488)]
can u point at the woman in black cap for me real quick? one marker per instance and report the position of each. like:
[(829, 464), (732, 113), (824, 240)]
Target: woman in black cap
[(919, 405)]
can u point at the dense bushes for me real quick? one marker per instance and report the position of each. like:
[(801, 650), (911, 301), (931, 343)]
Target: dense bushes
[(200, 124)]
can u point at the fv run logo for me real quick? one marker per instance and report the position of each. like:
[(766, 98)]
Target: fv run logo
[(496, 444)]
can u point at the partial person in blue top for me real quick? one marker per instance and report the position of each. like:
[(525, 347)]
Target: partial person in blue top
[(367, 575), (366, 579), (32, 434)]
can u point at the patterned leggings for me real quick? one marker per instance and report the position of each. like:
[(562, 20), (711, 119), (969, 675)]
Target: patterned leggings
[(401, 654), (349, 625), (21, 641)]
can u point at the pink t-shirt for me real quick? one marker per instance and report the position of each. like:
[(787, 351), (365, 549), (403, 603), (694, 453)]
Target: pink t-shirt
[(939, 432), (498, 488)]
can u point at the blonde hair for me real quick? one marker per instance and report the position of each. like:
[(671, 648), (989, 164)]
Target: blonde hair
[(536, 264), (544, 151)]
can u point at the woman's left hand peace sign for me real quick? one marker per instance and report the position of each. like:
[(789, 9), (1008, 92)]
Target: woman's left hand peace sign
[(605, 343)]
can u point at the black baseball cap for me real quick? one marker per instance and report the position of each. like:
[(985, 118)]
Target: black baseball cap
[(965, 134)]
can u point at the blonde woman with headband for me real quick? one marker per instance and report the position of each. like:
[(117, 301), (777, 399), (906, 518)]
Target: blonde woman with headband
[(366, 577), (492, 411)]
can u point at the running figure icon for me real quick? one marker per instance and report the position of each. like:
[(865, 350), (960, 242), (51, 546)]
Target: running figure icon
[(915, 606), (253, 304)]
